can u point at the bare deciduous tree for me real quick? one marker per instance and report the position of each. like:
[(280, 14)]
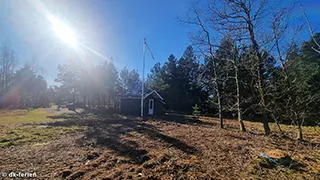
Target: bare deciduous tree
[(203, 41), (243, 19), (7, 65), (310, 30)]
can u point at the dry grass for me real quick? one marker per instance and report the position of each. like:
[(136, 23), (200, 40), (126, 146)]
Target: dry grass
[(19, 127), (18, 135), (24, 116), (171, 147)]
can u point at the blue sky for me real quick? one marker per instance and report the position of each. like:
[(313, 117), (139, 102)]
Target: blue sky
[(113, 28)]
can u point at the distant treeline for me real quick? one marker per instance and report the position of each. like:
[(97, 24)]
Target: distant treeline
[(20, 88)]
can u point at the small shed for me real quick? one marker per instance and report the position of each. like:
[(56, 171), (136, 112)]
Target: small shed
[(152, 104)]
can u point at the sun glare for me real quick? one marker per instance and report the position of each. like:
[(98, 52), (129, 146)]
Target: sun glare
[(64, 32)]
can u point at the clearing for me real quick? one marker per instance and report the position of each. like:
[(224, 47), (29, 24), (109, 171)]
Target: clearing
[(98, 146)]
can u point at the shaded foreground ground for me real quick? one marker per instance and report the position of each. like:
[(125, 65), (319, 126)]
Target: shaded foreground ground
[(170, 147)]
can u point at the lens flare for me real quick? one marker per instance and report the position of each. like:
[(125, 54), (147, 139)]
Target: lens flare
[(64, 32)]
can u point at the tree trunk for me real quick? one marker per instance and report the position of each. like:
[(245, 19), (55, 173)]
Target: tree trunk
[(221, 120), (104, 101), (300, 134), (300, 137), (279, 127), (266, 127), (98, 99), (242, 127), (212, 55), (84, 101), (259, 70), (220, 110), (277, 122)]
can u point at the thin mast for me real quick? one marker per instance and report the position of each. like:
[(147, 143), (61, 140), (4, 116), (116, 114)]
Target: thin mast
[(143, 64)]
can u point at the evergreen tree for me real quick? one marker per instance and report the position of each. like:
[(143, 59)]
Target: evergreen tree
[(29, 89), (129, 80)]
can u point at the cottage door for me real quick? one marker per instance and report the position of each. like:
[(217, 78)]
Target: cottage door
[(151, 106)]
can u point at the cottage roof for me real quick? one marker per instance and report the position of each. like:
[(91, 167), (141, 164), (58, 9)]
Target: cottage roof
[(154, 93)]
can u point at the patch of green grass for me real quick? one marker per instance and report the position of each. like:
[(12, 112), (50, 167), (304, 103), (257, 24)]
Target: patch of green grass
[(309, 132), (25, 134), (24, 116), (262, 168), (302, 166)]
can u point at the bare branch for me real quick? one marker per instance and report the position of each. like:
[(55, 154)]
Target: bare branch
[(310, 29)]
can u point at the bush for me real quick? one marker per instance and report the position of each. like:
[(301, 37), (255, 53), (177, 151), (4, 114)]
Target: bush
[(196, 110)]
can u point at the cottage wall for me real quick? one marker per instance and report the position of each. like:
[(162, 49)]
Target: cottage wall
[(131, 106)]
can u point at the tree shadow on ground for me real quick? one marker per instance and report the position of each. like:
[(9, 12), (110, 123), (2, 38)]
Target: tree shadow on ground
[(63, 116), (109, 131), (238, 137), (183, 119)]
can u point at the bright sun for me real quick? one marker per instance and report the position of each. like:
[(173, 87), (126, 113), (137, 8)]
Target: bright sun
[(65, 33)]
